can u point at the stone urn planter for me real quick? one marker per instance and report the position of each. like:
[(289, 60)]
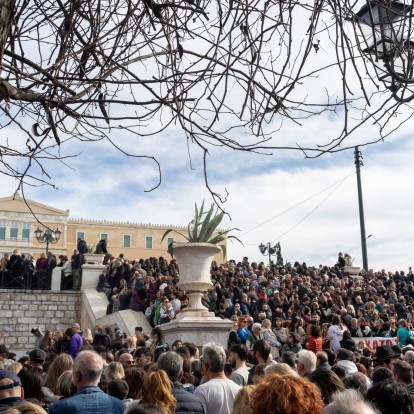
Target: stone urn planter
[(194, 261), (352, 270), (92, 258)]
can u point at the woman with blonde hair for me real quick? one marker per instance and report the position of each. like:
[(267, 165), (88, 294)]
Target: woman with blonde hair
[(65, 387), (270, 338), (242, 399), (25, 407), (3, 262), (157, 390), (62, 363), (15, 367), (132, 343), (87, 337), (114, 370)]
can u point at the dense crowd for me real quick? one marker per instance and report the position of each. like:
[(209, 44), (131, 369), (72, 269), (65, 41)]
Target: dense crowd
[(301, 343)]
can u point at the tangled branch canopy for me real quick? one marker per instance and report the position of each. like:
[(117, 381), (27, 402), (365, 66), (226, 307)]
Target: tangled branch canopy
[(227, 73)]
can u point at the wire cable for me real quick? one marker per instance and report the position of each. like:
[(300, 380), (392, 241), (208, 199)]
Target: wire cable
[(312, 211), (398, 264), (300, 203)]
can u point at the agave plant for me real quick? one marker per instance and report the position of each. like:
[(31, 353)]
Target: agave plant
[(203, 228), (91, 248)]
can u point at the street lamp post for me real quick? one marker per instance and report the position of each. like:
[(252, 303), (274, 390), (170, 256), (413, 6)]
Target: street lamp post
[(268, 250), (48, 236), (386, 27), (358, 163)]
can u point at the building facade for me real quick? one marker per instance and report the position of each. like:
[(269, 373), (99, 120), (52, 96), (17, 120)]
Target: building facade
[(20, 218)]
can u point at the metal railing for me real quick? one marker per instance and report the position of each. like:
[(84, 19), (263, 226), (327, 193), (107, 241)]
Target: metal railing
[(40, 280)]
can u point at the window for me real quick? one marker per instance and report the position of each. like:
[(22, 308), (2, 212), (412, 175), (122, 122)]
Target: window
[(170, 240), (14, 230), (26, 231), (13, 233), (2, 230), (148, 242), (80, 235), (104, 236), (25, 234), (127, 240)]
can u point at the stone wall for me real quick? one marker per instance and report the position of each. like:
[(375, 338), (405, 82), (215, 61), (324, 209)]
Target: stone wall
[(21, 311)]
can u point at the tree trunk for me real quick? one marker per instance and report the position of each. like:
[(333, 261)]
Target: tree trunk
[(6, 12)]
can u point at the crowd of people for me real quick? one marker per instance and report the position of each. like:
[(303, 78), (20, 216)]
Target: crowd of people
[(300, 343), (22, 271)]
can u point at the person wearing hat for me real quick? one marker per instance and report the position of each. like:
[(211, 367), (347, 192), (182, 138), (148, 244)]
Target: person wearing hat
[(385, 357), (38, 334), (11, 390), (36, 358)]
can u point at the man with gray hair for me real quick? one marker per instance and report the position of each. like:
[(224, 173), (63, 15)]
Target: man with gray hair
[(305, 363), (89, 399), (349, 402), (409, 357), (217, 392), (172, 364)]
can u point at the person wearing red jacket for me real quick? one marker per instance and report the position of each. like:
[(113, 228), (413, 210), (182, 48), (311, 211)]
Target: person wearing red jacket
[(315, 340)]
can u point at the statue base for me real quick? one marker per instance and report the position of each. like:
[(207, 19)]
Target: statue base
[(198, 327)]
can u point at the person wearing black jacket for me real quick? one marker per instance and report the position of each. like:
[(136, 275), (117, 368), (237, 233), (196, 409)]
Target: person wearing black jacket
[(172, 364), (101, 338), (347, 342), (15, 270), (77, 262), (101, 247), (50, 265)]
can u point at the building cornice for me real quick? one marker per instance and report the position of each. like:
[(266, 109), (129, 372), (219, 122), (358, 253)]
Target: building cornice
[(123, 223)]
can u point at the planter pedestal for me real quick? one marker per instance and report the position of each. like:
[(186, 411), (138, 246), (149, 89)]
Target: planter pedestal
[(353, 272), (196, 323), (90, 275), (92, 258), (200, 330)]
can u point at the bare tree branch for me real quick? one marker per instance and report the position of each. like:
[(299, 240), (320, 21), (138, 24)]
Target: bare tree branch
[(229, 74)]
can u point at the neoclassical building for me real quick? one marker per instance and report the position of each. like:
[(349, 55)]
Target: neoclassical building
[(20, 218)]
